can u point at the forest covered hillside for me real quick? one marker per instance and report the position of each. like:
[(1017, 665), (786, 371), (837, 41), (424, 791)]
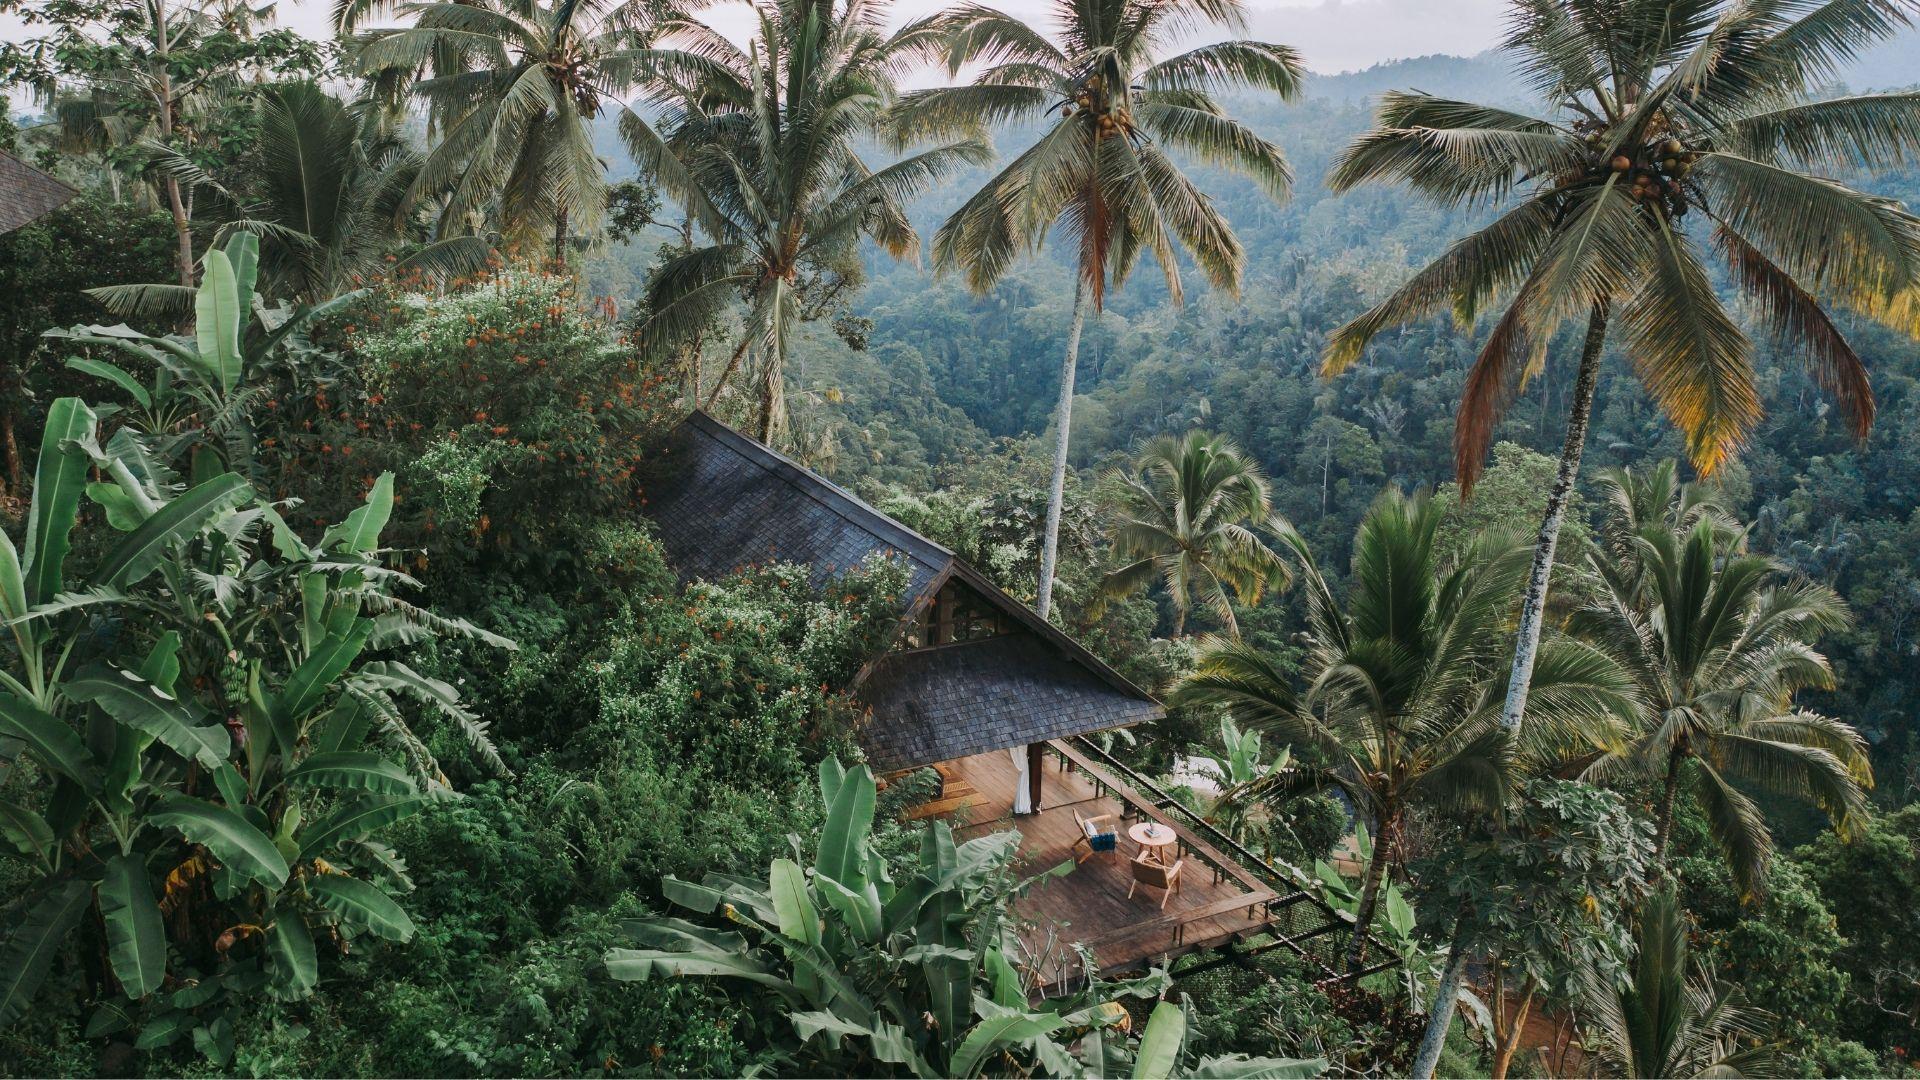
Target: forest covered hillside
[(566, 538)]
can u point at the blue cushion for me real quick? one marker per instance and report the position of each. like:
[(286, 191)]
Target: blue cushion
[(1102, 841)]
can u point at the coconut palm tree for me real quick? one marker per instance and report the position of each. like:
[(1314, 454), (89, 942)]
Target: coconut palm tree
[(763, 149), (1400, 707), (514, 88), (1680, 132), (1673, 1019), (1191, 511), (1717, 641), (1102, 169)]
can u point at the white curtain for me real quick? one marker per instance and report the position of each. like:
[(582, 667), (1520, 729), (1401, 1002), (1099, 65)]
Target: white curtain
[(1023, 783)]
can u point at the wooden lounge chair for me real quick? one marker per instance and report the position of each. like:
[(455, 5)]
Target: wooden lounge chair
[(1097, 836), (1154, 875)]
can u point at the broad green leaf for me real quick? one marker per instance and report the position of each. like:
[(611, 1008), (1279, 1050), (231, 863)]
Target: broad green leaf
[(361, 904), (136, 938), (344, 727), (30, 948), (997, 1033), (163, 1030), (636, 965), (243, 251), (352, 770), (354, 820), (296, 970), (136, 556), (26, 830), (238, 845), (361, 531), (1160, 1043), (810, 1023), (843, 839), (798, 918), (1242, 1068), (140, 705), (100, 369), (123, 514), (217, 319), (58, 479), (859, 909), (1399, 913), (13, 583), (162, 665), (308, 685), (55, 745)]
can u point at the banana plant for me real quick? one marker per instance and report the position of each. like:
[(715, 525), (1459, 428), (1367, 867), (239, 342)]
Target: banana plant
[(198, 709), (1241, 765), (915, 977), (207, 375)]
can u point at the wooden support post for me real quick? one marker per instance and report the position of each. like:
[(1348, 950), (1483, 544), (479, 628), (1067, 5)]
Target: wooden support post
[(1036, 765)]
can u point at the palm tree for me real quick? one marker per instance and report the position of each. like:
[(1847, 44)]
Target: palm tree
[(1673, 122), (1673, 1019), (1190, 510), (1717, 642), (1102, 170), (763, 148), (515, 87), (1400, 709), (324, 188)]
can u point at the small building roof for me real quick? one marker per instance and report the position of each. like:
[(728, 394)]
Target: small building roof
[(722, 501), (26, 193)]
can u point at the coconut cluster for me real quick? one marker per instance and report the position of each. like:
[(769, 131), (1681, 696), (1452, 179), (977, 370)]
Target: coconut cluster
[(1654, 172), (1091, 97)]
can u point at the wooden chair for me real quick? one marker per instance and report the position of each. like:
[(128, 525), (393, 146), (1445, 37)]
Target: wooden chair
[(1154, 875), (1097, 836)]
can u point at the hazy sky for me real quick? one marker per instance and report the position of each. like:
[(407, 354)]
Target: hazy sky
[(1333, 35)]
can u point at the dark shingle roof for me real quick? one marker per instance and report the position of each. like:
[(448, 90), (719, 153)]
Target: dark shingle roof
[(721, 501), (26, 193), (950, 701)]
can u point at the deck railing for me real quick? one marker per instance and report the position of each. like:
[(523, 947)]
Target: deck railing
[(1299, 916)]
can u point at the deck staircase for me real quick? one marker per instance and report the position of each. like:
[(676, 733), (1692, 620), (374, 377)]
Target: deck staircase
[(956, 794)]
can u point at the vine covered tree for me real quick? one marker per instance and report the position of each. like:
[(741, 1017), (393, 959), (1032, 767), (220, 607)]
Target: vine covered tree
[(1682, 133), (1102, 170)]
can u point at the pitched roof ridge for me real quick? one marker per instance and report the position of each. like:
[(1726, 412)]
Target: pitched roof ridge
[(848, 506)]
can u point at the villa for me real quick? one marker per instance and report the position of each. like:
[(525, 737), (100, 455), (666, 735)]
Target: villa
[(1008, 710)]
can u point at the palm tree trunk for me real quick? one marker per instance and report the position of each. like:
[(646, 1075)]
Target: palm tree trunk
[(1446, 999), (1668, 789), (1533, 612), (1063, 426), (560, 237), (1369, 898)]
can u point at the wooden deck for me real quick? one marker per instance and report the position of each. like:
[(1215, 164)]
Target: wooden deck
[(1219, 901)]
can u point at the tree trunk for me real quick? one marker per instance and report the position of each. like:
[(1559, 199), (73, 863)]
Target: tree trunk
[(726, 373), (1446, 1000), (1063, 426), (1510, 1039), (1533, 613), (1668, 789), (560, 237), (163, 94), (1369, 898)]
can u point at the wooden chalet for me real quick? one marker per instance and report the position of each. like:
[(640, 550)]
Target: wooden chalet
[(27, 194), (979, 688)]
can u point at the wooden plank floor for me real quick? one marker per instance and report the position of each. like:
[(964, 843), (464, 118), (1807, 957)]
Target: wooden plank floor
[(1090, 905)]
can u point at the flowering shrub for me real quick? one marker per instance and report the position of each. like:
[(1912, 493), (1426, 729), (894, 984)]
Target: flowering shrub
[(510, 414)]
